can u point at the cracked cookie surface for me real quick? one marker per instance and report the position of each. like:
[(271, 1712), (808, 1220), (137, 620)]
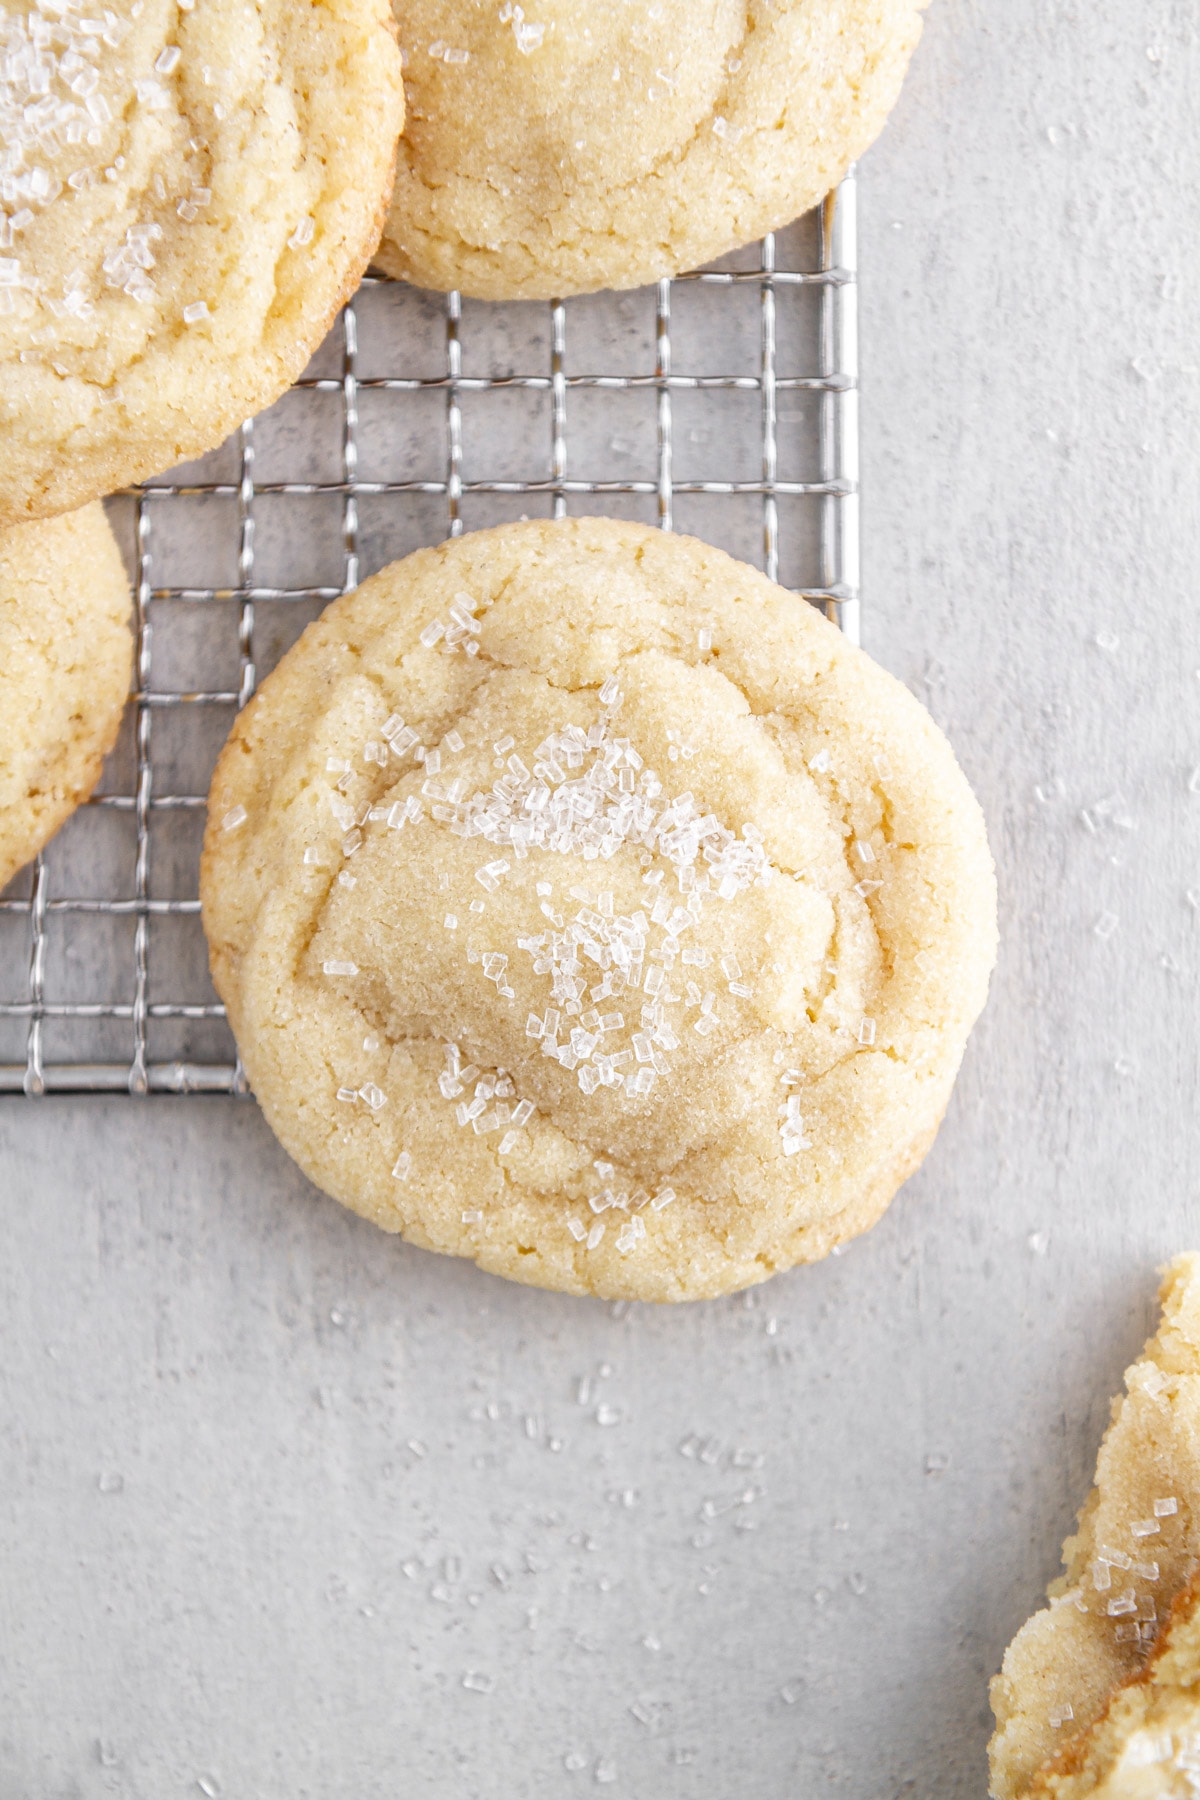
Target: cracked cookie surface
[(560, 146), (187, 194), (585, 905)]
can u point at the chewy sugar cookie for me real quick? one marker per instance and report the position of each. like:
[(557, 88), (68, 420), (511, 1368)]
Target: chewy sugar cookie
[(584, 904), (65, 656), (1091, 1699), (188, 191), (559, 146)]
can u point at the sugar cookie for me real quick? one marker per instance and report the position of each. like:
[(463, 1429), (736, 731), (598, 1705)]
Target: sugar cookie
[(559, 146), (187, 194), (586, 905), (65, 654), (1137, 1544)]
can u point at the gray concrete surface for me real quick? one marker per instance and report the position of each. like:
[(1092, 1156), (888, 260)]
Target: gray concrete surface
[(289, 1510)]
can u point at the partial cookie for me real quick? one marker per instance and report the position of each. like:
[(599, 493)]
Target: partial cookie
[(1146, 1743), (559, 146), (1136, 1547), (584, 904), (187, 194), (65, 656)]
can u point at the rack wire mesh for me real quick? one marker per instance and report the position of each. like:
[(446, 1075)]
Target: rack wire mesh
[(751, 365)]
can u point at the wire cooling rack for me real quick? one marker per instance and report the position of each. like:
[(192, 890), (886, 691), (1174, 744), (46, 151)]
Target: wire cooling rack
[(727, 407)]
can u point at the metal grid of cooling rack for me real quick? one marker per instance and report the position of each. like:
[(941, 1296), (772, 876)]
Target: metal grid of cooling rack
[(103, 978)]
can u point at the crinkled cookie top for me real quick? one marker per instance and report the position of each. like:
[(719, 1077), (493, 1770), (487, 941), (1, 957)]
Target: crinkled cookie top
[(585, 905), (187, 192), (557, 146)]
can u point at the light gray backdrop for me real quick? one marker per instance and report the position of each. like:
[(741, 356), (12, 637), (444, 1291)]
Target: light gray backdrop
[(273, 1486)]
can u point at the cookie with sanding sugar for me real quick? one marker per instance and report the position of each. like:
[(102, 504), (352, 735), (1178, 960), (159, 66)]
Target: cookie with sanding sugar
[(1091, 1698), (584, 904), (559, 146), (187, 194), (65, 656), (1146, 1743)]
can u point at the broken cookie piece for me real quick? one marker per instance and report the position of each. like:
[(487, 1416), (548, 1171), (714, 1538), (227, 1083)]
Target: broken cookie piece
[(1096, 1680)]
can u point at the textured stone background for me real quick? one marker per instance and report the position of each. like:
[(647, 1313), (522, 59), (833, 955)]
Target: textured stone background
[(273, 1486)]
